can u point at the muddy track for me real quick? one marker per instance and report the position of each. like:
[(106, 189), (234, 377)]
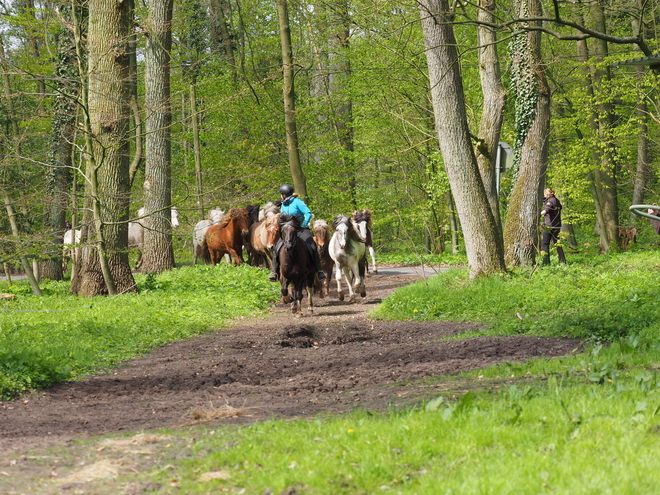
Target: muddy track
[(276, 366)]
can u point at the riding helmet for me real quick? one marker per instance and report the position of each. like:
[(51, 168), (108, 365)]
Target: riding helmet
[(286, 189)]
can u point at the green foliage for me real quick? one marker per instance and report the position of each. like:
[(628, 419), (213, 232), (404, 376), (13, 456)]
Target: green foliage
[(59, 336), (610, 298)]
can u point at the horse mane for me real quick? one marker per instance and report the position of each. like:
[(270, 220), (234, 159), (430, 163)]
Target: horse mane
[(292, 219), (253, 213), (273, 218), (320, 223), (270, 209), (231, 215), (362, 216)]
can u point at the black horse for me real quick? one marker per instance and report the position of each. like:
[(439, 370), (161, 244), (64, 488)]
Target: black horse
[(297, 269)]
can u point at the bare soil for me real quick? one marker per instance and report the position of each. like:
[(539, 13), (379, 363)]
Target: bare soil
[(278, 366)]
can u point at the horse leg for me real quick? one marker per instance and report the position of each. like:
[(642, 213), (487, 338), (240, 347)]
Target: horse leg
[(348, 273), (359, 282), (340, 292), (138, 263), (235, 256), (310, 300), (286, 298), (373, 259)]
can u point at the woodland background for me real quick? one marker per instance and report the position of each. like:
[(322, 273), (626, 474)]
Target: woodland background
[(109, 106)]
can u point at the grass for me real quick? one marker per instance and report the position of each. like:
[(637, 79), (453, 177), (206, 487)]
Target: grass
[(586, 424), (59, 336), (604, 300)]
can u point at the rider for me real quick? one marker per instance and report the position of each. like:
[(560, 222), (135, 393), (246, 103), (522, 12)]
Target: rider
[(292, 205)]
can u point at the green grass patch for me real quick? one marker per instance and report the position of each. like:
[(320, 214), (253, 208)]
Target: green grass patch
[(60, 336), (604, 299), (409, 257)]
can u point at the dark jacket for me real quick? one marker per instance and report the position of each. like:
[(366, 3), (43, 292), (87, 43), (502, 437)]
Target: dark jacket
[(552, 208)]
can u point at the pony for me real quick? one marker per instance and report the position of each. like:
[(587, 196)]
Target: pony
[(362, 221), (199, 233), (348, 250), (227, 236), (627, 236), (253, 217), (71, 250), (322, 239), (269, 209), (136, 233), (263, 237), (296, 266)]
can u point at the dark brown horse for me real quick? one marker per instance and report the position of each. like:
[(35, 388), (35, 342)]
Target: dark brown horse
[(263, 237), (322, 239), (296, 265), (227, 236)]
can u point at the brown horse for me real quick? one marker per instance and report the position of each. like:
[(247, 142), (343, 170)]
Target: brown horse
[(227, 236), (322, 239), (263, 237), (296, 265)]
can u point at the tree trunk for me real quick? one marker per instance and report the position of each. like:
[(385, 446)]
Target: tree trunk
[(521, 231), (333, 74), (483, 242), (221, 32), (158, 254), (604, 177), (61, 147), (288, 92), (643, 172), (14, 228), (108, 182), (493, 107)]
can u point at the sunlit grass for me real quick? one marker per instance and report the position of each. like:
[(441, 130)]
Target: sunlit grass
[(60, 336), (598, 301)]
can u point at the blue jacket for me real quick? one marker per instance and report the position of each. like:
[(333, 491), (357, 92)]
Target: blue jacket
[(296, 206)]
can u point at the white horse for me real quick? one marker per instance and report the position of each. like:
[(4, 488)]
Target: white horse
[(348, 251), (71, 247), (362, 221), (136, 233), (199, 235)]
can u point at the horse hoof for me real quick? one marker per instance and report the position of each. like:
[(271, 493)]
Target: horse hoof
[(340, 296), (352, 299), (363, 294)]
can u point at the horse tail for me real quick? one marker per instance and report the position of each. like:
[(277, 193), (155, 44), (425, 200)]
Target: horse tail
[(202, 252)]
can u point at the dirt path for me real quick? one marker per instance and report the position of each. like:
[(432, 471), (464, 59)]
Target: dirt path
[(278, 366)]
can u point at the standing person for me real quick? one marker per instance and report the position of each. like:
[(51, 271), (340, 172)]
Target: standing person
[(551, 225), (656, 213), (292, 205)]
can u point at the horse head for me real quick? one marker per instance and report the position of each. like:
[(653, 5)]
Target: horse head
[(289, 227), (321, 232), (343, 228), (241, 219), (215, 215), (272, 227)]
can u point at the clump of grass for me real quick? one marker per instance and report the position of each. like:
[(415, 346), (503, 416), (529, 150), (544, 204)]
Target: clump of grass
[(59, 336), (211, 412)]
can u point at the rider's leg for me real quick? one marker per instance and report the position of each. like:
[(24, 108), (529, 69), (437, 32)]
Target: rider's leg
[(275, 265), (311, 246)]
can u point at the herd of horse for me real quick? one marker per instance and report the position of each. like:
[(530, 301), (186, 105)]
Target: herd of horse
[(342, 248)]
